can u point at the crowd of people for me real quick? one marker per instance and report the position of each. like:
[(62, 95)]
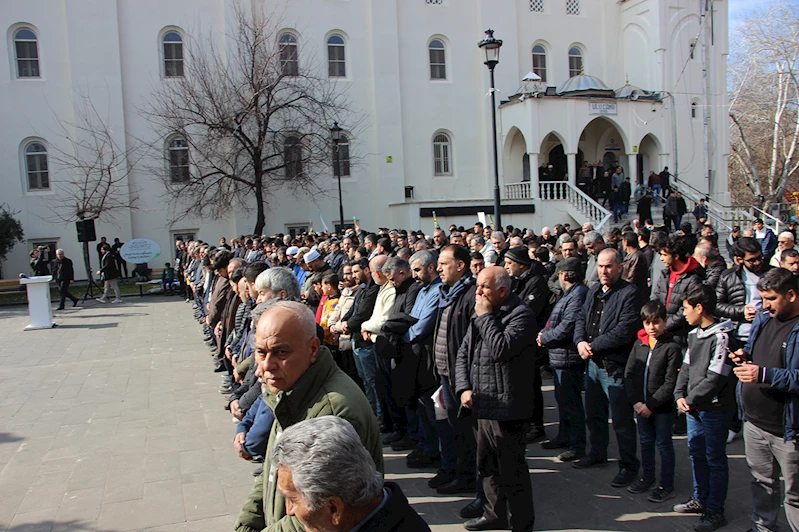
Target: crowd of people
[(435, 344)]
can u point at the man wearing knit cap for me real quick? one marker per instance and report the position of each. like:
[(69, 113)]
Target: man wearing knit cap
[(530, 284)]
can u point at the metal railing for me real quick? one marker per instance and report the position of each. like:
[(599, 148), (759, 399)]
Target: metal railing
[(597, 215)]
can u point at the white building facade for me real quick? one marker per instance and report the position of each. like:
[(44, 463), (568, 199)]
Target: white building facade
[(413, 69)]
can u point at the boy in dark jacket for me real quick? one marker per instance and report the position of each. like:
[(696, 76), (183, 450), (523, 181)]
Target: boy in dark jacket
[(649, 379), (706, 392)]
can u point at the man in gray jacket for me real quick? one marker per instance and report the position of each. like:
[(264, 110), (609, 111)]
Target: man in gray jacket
[(493, 366)]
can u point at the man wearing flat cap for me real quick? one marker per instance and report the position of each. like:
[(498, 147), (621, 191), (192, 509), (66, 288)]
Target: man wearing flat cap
[(530, 284)]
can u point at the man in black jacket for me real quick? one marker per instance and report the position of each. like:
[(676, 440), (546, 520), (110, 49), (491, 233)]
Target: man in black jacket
[(456, 304), (530, 284), (64, 274), (361, 311), (604, 334), (492, 378)]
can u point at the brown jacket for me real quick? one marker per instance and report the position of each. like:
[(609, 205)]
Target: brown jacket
[(636, 270)]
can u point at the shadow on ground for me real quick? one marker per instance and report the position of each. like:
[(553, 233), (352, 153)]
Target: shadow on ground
[(6, 437)]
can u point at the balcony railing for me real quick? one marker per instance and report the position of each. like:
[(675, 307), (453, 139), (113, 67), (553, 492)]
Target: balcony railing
[(592, 211)]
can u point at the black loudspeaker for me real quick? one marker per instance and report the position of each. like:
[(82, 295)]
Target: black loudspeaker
[(86, 231)]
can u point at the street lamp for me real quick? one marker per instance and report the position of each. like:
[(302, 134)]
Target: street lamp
[(491, 47), (335, 134)]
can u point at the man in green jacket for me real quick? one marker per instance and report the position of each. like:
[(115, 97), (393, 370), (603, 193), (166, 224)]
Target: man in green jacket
[(303, 382)]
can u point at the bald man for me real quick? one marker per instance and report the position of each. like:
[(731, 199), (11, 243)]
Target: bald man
[(303, 382), (492, 375)]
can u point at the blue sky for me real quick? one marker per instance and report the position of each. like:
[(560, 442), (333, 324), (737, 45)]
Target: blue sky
[(740, 8)]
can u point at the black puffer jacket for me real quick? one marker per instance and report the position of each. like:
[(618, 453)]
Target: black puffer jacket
[(713, 273), (558, 335), (660, 369), (675, 321), (731, 294), (496, 361), (532, 289)]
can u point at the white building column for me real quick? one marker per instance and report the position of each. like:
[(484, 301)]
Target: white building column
[(571, 162), (533, 175), (632, 169)]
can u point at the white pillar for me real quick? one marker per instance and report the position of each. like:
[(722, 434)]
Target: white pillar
[(632, 169), (533, 175), (571, 161)]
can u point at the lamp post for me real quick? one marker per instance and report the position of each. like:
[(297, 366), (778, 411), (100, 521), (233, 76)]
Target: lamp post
[(491, 46), (335, 134)]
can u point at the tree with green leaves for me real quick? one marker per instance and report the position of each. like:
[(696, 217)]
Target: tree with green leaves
[(11, 232)]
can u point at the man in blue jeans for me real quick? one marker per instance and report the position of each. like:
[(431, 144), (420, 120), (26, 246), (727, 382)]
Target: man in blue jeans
[(604, 334)]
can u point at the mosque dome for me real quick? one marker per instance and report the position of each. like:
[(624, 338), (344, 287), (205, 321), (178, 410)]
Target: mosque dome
[(584, 84)]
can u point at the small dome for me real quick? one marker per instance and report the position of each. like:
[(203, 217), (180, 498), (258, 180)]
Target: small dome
[(582, 83), (630, 91)]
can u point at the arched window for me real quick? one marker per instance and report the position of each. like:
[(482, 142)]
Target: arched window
[(36, 166), (173, 55), (288, 55), (178, 154), (292, 157), (26, 48), (575, 61), (343, 156), (442, 154), (540, 61), (438, 62), (336, 66)]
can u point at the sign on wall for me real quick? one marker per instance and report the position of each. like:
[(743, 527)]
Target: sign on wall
[(602, 108), (140, 250)]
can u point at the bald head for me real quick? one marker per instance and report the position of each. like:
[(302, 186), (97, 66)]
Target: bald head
[(494, 284), (376, 267)]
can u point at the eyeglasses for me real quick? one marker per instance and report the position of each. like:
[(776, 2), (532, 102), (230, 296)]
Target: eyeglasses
[(754, 260)]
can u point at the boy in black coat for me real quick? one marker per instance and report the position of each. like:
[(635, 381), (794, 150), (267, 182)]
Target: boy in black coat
[(649, 379)]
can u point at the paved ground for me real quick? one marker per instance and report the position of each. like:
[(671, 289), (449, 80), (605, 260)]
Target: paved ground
[(113, 422)]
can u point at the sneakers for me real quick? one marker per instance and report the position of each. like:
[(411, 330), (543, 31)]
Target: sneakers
[(537, 433), (625, 477), (117, 300), (640, 486), (424, 461), (392, 437), (441, 478), (731, 435), (101, 300), (691, 506), (403, 444), (555, 444), (660, 495), (588, 461), (710, 521)]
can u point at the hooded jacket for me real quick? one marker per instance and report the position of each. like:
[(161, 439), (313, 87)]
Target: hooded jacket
[(323, 390), (706, 380), (651, 374), (784, 379), (671, 290)]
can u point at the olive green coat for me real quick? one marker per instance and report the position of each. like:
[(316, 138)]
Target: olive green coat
[(324, 390)]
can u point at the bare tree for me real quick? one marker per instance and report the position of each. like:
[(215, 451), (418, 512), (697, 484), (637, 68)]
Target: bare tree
[(763, 112), (92, 169), (254, 117)]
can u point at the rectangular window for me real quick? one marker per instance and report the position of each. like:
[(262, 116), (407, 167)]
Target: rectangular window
[(336, 67), (27, 59), (540, 66), (537, 6), (572, 7), (173, 60), (438, 66), (441, 157), (436, 2), (38, 175)]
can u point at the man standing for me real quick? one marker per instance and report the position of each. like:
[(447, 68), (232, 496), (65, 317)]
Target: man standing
[(785, 240), (303, 382), (768, 367), (635, 268), (594, 244), (766, 238), (604, 333), (493, 367), (64, 274), (122, 265), (568, 250), (665, 182)]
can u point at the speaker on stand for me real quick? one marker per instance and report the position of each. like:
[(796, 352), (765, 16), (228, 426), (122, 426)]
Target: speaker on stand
[(86, 234)]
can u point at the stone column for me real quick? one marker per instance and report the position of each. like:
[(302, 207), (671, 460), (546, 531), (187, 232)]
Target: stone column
[(533, 175), (632, 169), (571, 161)]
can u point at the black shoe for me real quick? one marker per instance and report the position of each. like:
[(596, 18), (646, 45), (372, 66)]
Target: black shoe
[(537, 433), (424, 461), (588, 461), (710, 521), (458, 485), (472, 510), (660, 495), (59, 308), (640, 485), (416, 453), (384, 428), (481, 523), (403, 444), (625, 477), (441, 478), (392, 437), (691, 506), (220, 368), (257, 471), (570, 456), (75, 303), (555, 444)]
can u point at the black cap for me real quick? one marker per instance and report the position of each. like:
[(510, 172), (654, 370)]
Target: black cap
[(572, 264), (519, 254)]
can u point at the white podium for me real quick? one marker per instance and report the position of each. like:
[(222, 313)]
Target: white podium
[(39, 306)]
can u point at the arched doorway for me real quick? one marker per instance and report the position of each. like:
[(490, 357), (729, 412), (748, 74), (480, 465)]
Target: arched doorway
[(515, 161), (649, 151), (602, 140), (552, 153)]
